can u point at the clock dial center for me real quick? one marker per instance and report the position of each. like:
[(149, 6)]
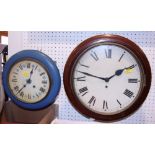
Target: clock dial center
[(29, 81)]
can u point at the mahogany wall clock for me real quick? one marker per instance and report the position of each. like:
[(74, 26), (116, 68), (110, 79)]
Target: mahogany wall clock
[(107, 77)]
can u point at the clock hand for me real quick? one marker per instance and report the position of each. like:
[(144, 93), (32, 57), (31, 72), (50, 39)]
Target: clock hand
[(120, 71), (29, 80), (31, 73), (21, 89), (117, 73), (92, 75), (130, 67)]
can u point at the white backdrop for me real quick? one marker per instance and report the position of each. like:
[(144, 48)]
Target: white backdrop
[(59, 45)]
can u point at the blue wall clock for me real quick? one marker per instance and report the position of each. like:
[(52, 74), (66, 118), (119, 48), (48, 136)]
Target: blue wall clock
[(31, 79)]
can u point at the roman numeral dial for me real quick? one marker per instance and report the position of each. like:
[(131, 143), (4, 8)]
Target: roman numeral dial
[(107, 79), (29, 81)]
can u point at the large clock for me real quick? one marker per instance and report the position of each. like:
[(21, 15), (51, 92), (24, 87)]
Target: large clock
[(31, 79), (107, 77)]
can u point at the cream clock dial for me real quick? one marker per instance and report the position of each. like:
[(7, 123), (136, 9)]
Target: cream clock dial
[(107, 77), (29, 81)]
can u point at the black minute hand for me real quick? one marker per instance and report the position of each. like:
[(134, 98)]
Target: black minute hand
[(91, 75), (21, 89)]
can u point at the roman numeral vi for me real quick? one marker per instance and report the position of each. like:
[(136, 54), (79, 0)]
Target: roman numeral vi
[(105, 105)]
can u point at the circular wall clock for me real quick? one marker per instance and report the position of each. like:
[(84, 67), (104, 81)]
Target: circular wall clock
[(31, 79), (107, 77)]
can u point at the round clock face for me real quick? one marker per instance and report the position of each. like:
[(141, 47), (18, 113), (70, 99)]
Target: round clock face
[(29, 81), (107, 77)]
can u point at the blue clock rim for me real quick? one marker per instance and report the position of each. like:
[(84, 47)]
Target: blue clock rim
[(48, 64)]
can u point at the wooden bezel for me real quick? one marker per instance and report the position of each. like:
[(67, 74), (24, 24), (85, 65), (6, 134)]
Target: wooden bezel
[(94, 41)]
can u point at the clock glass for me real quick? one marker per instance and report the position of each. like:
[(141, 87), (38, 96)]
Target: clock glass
[(29, 81), (107, 78)]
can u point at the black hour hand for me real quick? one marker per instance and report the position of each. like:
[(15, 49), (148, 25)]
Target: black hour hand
[(31, 73), (120, 71)]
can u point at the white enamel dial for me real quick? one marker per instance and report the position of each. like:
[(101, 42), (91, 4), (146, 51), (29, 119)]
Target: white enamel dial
[(29, 81), (107, 79)]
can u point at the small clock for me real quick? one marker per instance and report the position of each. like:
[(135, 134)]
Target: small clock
[(107, 77), (31, 79)]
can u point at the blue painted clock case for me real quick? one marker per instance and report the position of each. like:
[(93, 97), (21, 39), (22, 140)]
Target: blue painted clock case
[(52, 70)]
